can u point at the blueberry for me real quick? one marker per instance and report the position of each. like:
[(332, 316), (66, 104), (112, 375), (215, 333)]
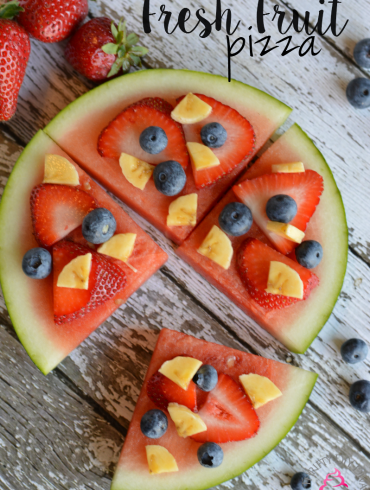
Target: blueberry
[(206, 378), (281, 208), (358, 93), (309, 254), (153, 140), (213, 135), (354, 351), (37, 263), (300, 481), (154, 424), (235, 219), (362, 53), (99, 226), (169, 178), (210, 455), (359, 395)]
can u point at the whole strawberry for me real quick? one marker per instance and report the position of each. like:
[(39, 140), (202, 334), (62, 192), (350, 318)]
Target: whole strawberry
[(14, 53), (54, 20), (100, 49)]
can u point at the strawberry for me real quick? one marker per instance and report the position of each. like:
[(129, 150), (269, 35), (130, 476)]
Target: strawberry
[(228, 414), (305, 188), (14, 53), (156, 103), (163, 391), (56, 210), (253, 264), (238, 146), (100, 49), (123, 133), (51, 22), (105, 281)]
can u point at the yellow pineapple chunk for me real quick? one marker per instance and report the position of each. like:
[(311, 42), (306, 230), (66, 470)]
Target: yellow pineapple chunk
[(119, 246), (58, 170), (191, 110), (160, 460), (180, 370), (187, 423), (136, 171), (288, 168), (201, 156), (286, 230), (284, 280), (183, 211), (76, 274), (217, 247), (260, 389)]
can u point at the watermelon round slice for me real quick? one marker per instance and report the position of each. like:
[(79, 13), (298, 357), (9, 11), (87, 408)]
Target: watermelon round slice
[(298, 325), (77, 128), (30, 301), (276, 419)]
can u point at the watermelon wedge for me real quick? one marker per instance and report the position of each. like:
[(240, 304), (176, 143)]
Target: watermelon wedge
[(77, 128), (276, 419), (298, 325), (30, 302)]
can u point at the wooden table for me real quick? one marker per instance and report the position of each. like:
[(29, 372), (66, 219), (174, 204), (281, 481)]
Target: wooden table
[(65, 430)]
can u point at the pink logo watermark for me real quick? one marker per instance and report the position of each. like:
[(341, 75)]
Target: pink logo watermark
[(333, 477)]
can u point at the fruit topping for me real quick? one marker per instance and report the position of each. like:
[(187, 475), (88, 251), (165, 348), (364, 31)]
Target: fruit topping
[(153, 140), (191, 109), (305, 188), (37, 263), (180, 370), (217, 247), (154, 424), (201, 156), (361, 53), (160, 460), (359, 395), (76, 273), (213, 135), (57, 210), (288, 168), (260, 389), (235, 219), (119, 246), (187, 423), (309, 254), (253, 264), (300, 481), (358, 93), (281, 208), (162, 391), (354, 351), (227, 413), (58, 170), (284, 280), (169, 178), (206, 378), (183, 211), (287, 231), (122, 135), (136, 171), (106, 279), (210, 455), (99, 226)]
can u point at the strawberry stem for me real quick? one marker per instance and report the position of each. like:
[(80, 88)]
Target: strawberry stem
[(10, 9)]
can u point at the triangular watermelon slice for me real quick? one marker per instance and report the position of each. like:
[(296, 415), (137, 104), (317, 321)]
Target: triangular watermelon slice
[(30, 301), (276, 419)]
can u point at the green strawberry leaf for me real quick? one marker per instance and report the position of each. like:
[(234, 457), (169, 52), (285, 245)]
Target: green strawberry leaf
[(121, 51), (134, 60), (117, 65), (114, 30), (139, 51), (132, 39), (10, 10), (110, 48), (125, 65)]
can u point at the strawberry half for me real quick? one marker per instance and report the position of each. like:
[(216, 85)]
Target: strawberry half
[(123, 133), (228, 414), (162, 391), (105, 281), (238, 146), (305, 188), (253, 264), (56, 210)]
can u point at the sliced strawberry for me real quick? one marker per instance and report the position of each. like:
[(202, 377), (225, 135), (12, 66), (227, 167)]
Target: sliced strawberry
[(228, 414), (123, 133), (305, 188), (105, 281), (253, 264), (239, 144), (56, 210), (163, 391)]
